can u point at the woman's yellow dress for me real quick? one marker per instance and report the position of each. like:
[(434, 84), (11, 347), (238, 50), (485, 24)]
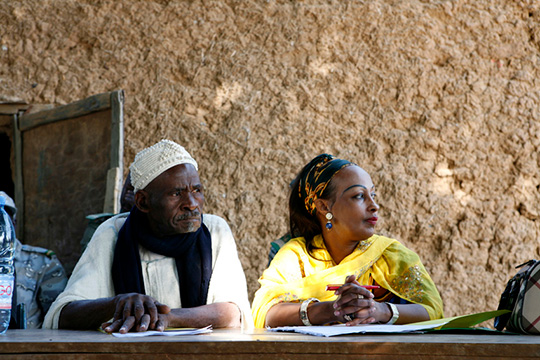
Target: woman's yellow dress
[(294, 275)]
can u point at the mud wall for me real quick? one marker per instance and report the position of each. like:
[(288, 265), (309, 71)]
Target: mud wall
[(438, 100)]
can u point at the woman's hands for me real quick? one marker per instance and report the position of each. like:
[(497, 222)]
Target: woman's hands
[(355, 305)]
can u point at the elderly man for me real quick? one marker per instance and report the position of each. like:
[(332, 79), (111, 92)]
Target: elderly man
[(162, 265)]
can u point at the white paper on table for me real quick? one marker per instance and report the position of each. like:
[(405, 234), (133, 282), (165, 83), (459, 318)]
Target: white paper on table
[(177, 332), (341, 329)]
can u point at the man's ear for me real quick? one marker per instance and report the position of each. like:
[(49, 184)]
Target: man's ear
[(142, 201), (323, 206)]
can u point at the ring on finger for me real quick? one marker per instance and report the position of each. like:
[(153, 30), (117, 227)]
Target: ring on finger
[(349, 317), (360, 296)]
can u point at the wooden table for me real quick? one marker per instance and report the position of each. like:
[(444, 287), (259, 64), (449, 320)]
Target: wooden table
[(261, 345)]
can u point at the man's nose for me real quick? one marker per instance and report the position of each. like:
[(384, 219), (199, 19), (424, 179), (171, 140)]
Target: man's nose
[(190, 202)]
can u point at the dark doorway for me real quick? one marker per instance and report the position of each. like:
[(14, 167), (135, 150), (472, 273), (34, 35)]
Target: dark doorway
[(6, 179)]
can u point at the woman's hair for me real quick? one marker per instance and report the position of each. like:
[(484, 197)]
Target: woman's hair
[(313, 182)]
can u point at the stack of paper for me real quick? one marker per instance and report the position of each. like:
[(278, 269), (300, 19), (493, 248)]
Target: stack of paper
[(168, 332), (465, 321)]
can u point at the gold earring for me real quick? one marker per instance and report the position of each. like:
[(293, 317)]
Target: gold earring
[(329, 217)]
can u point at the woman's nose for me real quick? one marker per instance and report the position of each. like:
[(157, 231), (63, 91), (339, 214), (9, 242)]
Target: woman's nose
[(373, 206)]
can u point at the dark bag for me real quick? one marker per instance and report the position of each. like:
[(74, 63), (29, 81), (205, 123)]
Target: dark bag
[(522, 297)]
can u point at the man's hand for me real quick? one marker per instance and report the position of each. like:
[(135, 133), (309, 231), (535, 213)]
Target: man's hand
[(137, 312)]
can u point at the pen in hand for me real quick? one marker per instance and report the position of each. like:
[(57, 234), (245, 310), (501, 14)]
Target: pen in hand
[(333, 287)]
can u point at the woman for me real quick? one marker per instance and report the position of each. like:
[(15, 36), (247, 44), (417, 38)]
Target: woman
[(333, 210)]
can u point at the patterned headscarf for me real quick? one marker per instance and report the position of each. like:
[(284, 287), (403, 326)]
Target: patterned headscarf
[(317, 175)]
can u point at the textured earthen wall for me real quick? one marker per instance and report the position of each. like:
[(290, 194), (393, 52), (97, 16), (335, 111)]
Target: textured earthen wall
[(438, 100)]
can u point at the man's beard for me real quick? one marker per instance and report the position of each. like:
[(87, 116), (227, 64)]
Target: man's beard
[(191, 227)]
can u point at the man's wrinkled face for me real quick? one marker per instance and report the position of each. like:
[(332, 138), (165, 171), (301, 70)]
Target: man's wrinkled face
[(174, 201)]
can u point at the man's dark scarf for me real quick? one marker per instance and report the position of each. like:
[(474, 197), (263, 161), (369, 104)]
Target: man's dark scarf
[(192, 252)]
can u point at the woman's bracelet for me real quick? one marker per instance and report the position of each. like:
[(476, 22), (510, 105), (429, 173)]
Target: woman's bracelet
[(395, 313), (303, 310)]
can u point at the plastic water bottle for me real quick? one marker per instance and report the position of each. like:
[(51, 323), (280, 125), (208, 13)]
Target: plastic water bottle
[(7, 247)]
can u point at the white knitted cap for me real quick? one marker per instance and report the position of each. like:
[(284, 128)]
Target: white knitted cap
[(155, 160)]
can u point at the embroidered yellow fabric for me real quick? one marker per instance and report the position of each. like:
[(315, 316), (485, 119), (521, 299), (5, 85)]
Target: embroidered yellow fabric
[(294, 275)]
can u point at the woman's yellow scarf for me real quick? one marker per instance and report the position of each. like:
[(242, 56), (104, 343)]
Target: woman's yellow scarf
[(294, 275)]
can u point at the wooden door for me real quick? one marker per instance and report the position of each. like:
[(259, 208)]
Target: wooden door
[(68, 164)]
